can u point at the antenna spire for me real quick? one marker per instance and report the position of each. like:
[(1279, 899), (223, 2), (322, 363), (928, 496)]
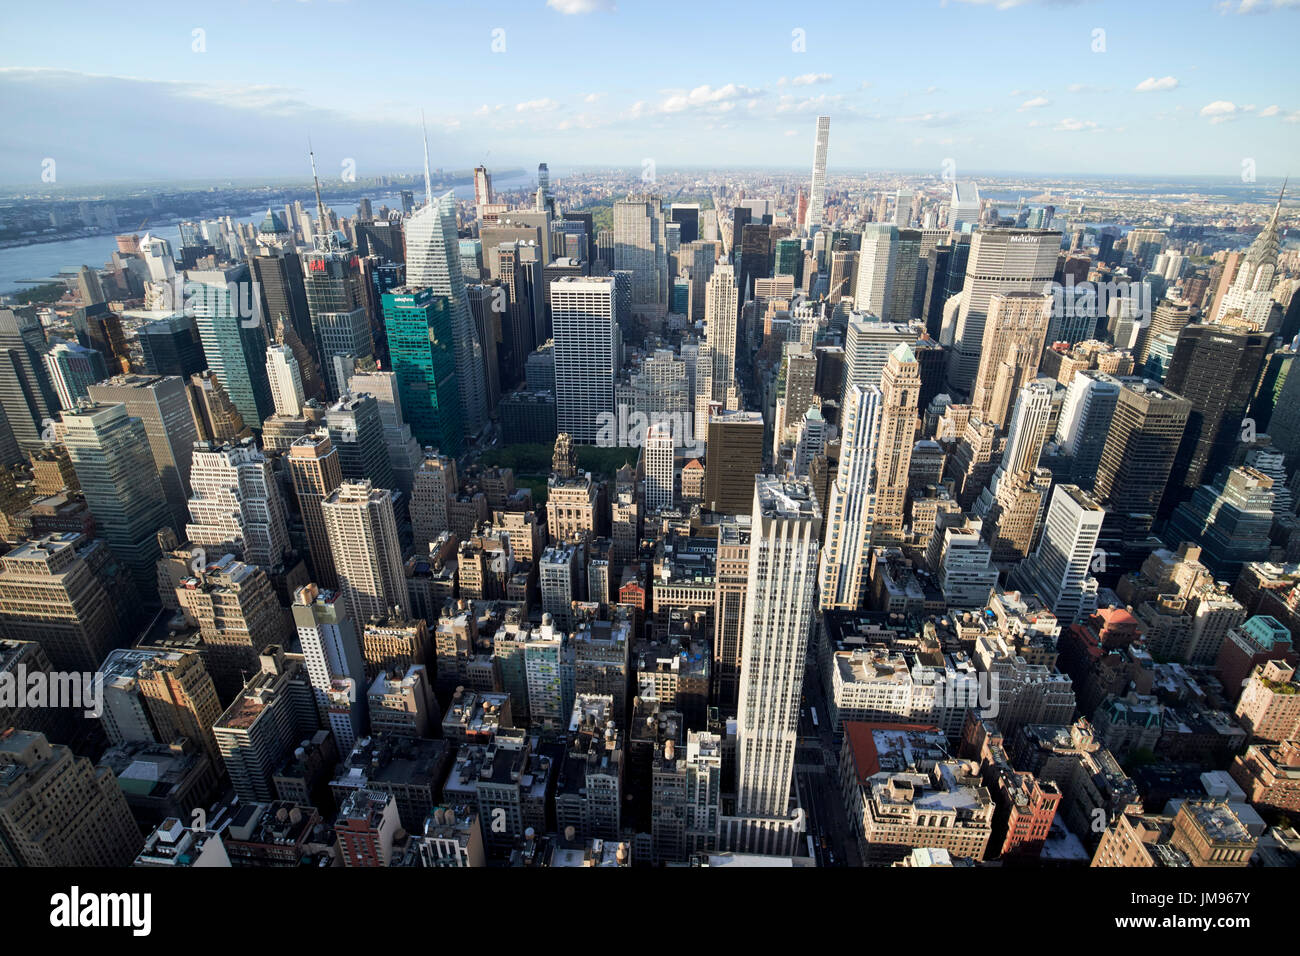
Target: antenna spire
[(428, 181), (320, 203)]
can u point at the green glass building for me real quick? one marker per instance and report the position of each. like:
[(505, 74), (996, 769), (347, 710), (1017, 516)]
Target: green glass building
[(423, 358), (789, 259)]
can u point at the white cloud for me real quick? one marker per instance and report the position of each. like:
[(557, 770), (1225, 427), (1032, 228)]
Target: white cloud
[(545, 105), (1033, 104), (1152, 85), (809, 79), (707, 97), (1220, 111), (572, 7), (592, 97), (1075, 125), (1270, 110)]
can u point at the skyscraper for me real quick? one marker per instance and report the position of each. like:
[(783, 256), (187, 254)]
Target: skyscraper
[(72, 369), (720, 314), (1141, 443), (900, 389), (433, 262), (110, 453), (267, 720), (236, 506), (313, 464), (277, 270), (732, 573), (852, 507), (215, 416), (163, 407), (159, 695), (516, 266), (357, 432), (1230, 520), (868, 346), (817, 191), (584, 315), (336, 299), (1058, 571), (403, 449), (1014, 333), (58, 809), (482, 187), (964, 206), (234, 339), (1001, 260), (903, 208), (421, 344), (169, 345), (1249, 299), (285, 376), (658, 467), (238, 615), (795, 388), (26, 393), (50, 595), (907, 291), (1011, 504), (641, 248), (362, 533), (874, 286), (780, 603), (433, 487), (1027, 430), (1084, 423), (735, 455), (1216, 368), (332, 651)]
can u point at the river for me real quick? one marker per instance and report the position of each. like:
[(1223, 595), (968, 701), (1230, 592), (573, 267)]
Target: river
[(20, 266)]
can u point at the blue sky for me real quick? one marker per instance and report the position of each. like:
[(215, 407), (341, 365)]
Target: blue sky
[(1177, 87)]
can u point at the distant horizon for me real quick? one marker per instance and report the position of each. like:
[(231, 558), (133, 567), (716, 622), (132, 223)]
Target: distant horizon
[(559, 170)]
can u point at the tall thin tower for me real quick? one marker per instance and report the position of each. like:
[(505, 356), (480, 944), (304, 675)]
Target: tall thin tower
[(900, 388), (362, 534), (720, 308), (817, 194), (852, 508), (780, 601)]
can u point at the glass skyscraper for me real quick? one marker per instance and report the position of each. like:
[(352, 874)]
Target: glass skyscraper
[(225, 310), (433, 262), (423, 354), (336, 300)]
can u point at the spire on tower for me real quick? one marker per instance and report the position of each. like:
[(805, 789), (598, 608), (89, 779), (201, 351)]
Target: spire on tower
[(320, 203), (1277, 209), (428, 181)]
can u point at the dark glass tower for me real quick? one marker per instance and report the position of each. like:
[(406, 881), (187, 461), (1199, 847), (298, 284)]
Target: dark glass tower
[(418, 324)]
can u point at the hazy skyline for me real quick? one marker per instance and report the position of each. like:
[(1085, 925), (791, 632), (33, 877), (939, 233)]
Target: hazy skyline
[(158, 92)]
